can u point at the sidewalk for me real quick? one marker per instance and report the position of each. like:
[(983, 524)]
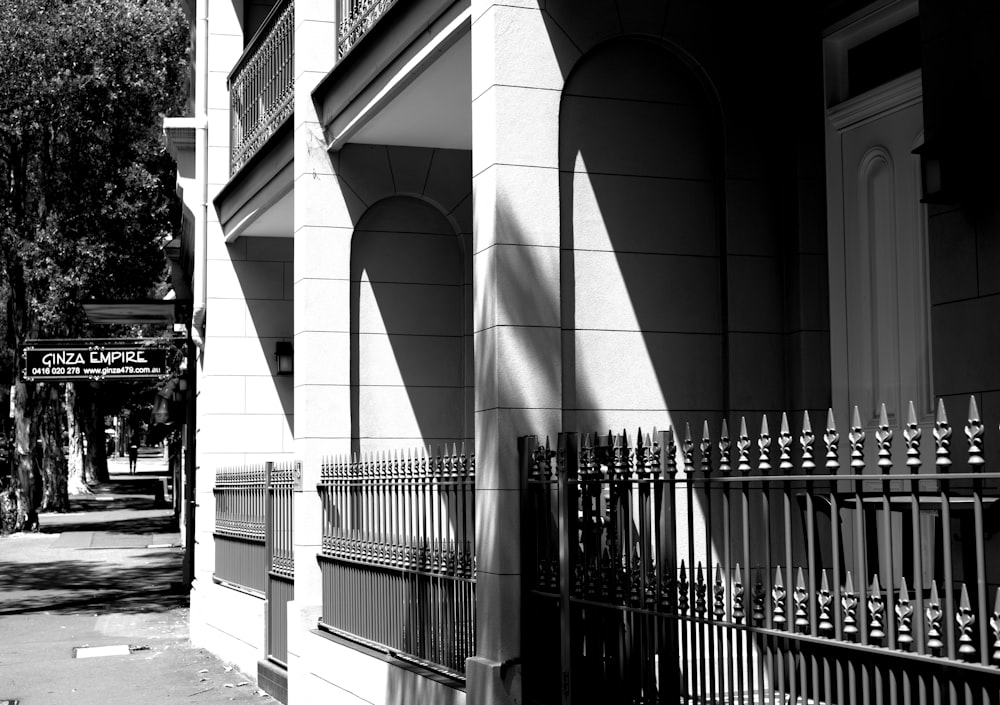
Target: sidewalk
[(90, 611)]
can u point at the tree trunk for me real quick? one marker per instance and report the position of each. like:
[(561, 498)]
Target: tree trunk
[(18, 511), (75, 462), (94, 433), (84, 414), (55, 497)]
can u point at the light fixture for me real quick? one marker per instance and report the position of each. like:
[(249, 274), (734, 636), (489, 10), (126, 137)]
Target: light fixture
[(283, 354), (932, 181)]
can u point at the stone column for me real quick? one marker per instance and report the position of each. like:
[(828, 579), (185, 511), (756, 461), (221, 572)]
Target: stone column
[(516, 84), (322, 229)]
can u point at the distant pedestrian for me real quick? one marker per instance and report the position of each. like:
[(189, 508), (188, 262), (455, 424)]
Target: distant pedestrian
[(133, 458)]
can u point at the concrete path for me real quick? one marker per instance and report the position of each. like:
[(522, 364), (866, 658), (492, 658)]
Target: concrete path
[(91, 611)]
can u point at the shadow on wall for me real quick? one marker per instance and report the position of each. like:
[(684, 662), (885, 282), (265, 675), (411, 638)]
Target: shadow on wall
[(263, 267), (410, 327), (642, 293), (642, 275)]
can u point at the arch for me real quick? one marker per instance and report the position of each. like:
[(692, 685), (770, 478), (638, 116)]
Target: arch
[(642, 241), (411, 344)]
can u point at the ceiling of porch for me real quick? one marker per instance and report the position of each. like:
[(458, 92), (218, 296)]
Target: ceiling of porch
[(434, 110)]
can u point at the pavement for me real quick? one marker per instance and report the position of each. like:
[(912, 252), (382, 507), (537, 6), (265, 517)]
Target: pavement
[(92, 609)]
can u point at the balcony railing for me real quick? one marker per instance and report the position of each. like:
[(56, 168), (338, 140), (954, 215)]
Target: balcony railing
[(357, 17), (262, 86)]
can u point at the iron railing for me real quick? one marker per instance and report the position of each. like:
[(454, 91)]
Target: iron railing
[(356, 18), (398, 554), (262, 86), (240, 555), (762, 569)]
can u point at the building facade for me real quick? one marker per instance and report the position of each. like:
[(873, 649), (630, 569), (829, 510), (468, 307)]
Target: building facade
[(474, 221)]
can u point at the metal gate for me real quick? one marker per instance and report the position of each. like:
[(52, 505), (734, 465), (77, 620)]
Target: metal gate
[(739, 570), (280, 585)]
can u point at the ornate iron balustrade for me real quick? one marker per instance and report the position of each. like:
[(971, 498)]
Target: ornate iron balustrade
[(240, 496), (398, 554), (357, 17), (262, 86), (762, 569)]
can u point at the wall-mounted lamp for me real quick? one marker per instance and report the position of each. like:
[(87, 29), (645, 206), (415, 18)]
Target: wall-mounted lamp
[(283, 354), (932, 178)]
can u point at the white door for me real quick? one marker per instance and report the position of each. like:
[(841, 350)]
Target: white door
[(879, 282), (877, 237)]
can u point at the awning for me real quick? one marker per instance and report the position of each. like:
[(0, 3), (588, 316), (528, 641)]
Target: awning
[(162, 311)]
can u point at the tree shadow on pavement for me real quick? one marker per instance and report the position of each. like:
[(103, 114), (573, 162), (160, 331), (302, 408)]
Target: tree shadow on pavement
[(144, 583), (136, 525), (102, 503)]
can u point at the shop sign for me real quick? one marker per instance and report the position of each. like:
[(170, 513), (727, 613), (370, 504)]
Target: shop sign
[(97, 362)]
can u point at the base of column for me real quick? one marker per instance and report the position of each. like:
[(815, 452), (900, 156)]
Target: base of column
[(490, 682)]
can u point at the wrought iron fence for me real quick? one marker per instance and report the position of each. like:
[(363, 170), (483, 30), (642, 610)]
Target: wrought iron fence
[(762, 569), (398, 554), (262, 85), (356, 18), (240, 555)]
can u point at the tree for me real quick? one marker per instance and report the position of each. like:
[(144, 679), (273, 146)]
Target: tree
[(86, 189)]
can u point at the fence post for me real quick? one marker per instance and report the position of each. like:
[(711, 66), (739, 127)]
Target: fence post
[(525, 451), (669, 665), (567, 460), (268, 551)]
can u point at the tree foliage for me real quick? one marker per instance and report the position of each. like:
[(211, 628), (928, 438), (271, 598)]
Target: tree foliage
[(86, 189)]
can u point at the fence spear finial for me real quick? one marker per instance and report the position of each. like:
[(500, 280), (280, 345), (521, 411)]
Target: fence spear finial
[(965, 619), (876, 609), (764, 446), (784, 445), (778, 593), (743, 448), (739, 613), (832, 441), (857, 439), (619, 456), (706, 449), (911, 435), (724, 445), (934, 614), (688, 449), (806, 440), (824, 598), (849, 602), (974, 432), (904, 613), (719, 594), (671, 451), (883, 437), (800, 596), (942, 438)]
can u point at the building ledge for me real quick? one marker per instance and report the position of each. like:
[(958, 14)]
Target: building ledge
[(394, 660), (257, 200), (371, 81)]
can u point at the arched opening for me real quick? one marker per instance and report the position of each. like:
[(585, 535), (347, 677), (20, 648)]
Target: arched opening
[(410, 329), (643, 276)]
